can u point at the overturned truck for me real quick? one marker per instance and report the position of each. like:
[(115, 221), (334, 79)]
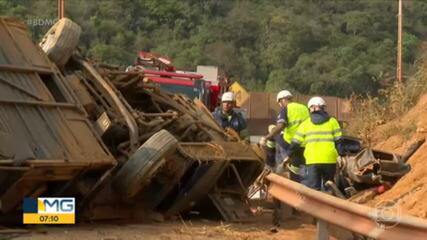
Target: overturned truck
[(115, 142)]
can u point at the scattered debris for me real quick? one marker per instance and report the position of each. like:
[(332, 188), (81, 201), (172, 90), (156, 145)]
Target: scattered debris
[(363, 168)]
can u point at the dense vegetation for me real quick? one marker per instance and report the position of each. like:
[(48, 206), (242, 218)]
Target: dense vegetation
[(333, 47)]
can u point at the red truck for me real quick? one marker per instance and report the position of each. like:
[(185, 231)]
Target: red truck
[(159, 69)]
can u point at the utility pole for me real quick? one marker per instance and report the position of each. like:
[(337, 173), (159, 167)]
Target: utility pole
[(399, 68), (61, 9)]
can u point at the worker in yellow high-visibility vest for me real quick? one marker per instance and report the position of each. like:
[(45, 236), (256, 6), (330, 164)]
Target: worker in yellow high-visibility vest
[(320, 136), (270, 150), (291, 115)]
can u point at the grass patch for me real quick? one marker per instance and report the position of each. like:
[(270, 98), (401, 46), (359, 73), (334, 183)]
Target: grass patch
[(390, 103)]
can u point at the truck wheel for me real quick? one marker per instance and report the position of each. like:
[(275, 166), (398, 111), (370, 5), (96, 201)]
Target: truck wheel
[(60, 41), (144, 163)]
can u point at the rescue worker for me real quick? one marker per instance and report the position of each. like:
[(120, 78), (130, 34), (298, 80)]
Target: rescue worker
[(291, 115), (270, 149), (320, 135), (226, 117)]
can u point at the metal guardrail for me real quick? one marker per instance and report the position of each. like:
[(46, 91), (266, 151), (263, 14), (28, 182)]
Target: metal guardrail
[(356, 218)]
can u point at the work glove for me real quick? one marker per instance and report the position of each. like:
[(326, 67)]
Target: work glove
[(285, 160), (263, 141), (281, 167)]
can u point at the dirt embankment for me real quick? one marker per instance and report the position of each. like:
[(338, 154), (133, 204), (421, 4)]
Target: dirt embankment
[(190, 230), (410, 192)]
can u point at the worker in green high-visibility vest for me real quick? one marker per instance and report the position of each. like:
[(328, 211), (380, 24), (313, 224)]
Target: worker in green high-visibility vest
[(291, 115), (320, 135)]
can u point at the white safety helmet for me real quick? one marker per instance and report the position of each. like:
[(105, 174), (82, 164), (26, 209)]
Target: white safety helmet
[(316, 101), (271, 127), (228, 97), (283, 94)]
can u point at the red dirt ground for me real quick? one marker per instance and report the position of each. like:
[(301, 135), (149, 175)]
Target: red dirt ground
[(410, 192), (293, 229)]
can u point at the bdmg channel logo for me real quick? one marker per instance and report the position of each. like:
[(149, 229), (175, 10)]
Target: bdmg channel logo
[(49, 211)]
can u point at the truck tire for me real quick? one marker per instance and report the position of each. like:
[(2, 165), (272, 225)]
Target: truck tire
[(143, 164), (60, 41)]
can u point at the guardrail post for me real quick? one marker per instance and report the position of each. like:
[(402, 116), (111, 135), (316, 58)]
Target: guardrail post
[(322, 230)]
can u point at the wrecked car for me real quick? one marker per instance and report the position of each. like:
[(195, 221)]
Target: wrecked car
[(362, 168)]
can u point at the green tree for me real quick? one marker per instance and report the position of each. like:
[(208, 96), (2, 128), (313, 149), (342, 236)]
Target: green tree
[(332, 47)]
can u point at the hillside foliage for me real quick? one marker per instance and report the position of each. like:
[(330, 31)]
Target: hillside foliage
[(327, 47)]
